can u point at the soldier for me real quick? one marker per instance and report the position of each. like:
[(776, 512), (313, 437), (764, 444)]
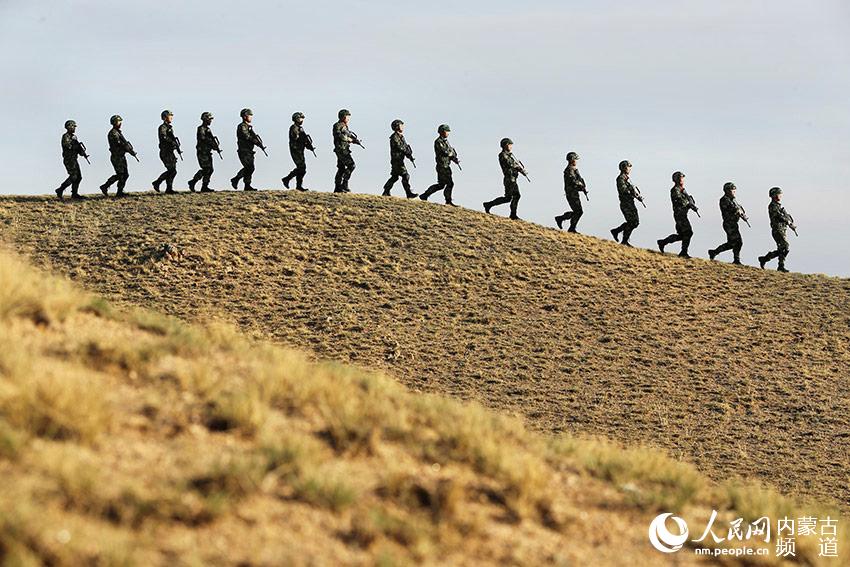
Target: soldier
[(682, 203), (780, 220), (399, 150), (731, 212), (119, 147), (72, 149), (299, 140), (246, 139), (573, 185), (343, 138), (206, 144), (511, 168), (168, 144), (444, 154), (627, 193)]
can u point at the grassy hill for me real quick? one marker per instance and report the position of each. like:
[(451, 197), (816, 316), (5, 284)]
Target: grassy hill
[(130, 438), (738, 370)]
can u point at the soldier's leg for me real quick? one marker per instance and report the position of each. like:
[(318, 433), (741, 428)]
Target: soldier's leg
[(430, 191), (576, 213), (506, 198), (782, 253), (171, 173), (447, 192), (389, 184), (76, 179), (514, 200), (300, 172), (123, 174), (249, 171), (632, 222), (686, 235), (349, 169)]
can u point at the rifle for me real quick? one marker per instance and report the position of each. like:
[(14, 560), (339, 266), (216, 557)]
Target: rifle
[(693, 205), (792, 225), (85, 152), (177, 145), (137, 157), (308, 143), (355, 140), (217, 147), (522, 171), (638, 196), (261, 144), (409, 155), (586, 196), (743, 214)]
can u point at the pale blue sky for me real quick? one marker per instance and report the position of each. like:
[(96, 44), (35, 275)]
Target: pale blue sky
[(751, 91)]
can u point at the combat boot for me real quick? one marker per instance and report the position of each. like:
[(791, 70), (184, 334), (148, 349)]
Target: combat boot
[(59, 194), (104, 189), (762, 261), (711, 254), (412, 195), (684, 254), (616, 234), (559, 220), (781, 268), (155, 186), (487, 207), (76, 196), (286, 181), (737, 261), (192, 185), (234, 182), (206, 190), (249, 188), (302, 188), (661, 245), (449, 203)]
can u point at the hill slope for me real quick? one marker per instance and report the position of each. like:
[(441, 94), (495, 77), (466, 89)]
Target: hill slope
[(738, 370), (128, 438)]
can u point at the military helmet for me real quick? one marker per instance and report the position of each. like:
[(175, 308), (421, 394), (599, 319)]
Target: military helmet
[(245, 112), (572, 155), (505, 141), (443, 128), (729, 187), (677, 177), (297, 115), (115, 119), (206, 116), (343, 113), (69, 124), (625, 164), (165, 113), (396, 123), (774, 192)]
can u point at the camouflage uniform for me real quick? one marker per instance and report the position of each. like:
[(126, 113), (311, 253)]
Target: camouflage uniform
[(206, 144), (511, 168), (246, 139), (399, 150), (344, 162), (168, 144), (445, 154), (119, 147), (298, 142), (779, 222), (71, 151), (627, 194), (573, 185), (731, 213), (681, 205)]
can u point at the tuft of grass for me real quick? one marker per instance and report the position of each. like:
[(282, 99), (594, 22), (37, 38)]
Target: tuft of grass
[(28, 294)]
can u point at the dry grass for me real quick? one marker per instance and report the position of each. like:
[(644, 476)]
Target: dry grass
[(705, 360), (153, 442)]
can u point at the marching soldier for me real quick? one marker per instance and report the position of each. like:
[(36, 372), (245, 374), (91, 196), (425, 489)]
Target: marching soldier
[(72, 149), (511, 168), (627, 193), (731, 212), (168, 144), (399, 150), (119, 147), (573, 185), (246, 139), (206, 144), (682, 203), (343, 138), (445, 154), (299, 140), (780, 220)]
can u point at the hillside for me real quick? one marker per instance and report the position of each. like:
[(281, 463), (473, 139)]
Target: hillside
[(738, 370), (129, 438)]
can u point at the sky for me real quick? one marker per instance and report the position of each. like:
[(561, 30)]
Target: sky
[(748, 91)]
